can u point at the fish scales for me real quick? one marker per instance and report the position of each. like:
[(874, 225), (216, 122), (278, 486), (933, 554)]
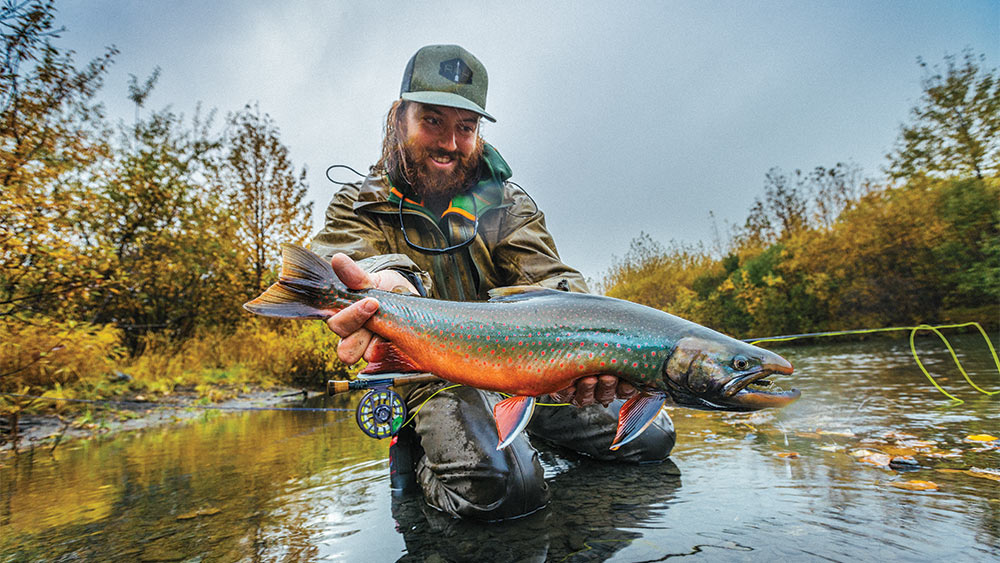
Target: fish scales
[(528, 347)]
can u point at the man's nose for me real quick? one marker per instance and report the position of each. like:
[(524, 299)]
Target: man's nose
[(448, 142)]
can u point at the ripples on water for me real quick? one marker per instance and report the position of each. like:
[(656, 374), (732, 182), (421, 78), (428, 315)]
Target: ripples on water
[(283, 486)]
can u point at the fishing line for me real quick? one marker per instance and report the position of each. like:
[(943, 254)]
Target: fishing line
[(913, 349), (150, 405)]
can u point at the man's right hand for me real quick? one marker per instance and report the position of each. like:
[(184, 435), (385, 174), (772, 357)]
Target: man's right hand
[(356, 341)]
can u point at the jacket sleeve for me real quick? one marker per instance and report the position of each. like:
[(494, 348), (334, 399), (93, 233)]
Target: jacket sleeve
[(528, 256), (361, 238)]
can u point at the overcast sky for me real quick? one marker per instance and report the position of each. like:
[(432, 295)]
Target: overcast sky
[(618, 117)]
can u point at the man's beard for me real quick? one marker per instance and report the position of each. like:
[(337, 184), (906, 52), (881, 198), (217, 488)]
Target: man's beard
[(438, 185)]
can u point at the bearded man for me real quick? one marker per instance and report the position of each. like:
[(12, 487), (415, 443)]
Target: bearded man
[(438, 217)]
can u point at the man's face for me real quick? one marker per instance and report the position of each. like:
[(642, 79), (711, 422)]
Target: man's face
[(441, 148)]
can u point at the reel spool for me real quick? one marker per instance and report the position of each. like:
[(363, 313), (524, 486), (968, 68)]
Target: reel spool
[(381, 413)]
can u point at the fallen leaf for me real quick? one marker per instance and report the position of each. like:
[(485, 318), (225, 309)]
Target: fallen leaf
[(788, 454), (991, 474), (200, 512), (915, 485), (981, 438), (880, 460)]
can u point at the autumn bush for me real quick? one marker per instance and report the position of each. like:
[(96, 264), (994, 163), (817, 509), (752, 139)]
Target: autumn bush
[(45, 353)]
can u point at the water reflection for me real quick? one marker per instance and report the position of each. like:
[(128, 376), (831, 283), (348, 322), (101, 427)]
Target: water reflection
[(296, 486), (597, 509)]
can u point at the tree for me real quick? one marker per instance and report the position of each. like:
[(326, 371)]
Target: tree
[(51, 135), (955, 129), (264, 192)]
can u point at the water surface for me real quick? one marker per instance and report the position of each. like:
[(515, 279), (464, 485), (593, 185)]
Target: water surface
[(309, 486)]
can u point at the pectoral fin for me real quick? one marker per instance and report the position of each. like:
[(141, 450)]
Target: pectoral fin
[(387, 358), (636, 415), (512, 415)]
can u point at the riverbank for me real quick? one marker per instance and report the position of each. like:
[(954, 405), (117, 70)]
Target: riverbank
[(135, 413)]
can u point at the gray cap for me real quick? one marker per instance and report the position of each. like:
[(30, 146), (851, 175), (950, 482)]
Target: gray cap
[(446, 75)]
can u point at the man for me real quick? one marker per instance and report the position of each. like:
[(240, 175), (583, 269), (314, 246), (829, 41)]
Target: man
[(437, 217)]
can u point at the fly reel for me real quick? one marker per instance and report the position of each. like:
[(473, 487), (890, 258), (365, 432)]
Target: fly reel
[(381, 413)]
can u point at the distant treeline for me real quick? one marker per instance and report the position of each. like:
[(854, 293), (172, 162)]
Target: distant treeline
[(127, 249), (927, 251)]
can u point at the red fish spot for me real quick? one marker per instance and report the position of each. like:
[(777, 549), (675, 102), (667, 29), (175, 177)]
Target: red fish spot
[(613, 361), (635, 365), (602, 364)]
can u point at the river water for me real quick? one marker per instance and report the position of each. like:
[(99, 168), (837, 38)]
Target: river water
[(808, 482)]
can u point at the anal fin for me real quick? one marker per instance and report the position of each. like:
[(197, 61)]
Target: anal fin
[(512, 415), (636, 415), (387, 358)]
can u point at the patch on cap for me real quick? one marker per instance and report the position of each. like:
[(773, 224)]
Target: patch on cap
[(456, 70)]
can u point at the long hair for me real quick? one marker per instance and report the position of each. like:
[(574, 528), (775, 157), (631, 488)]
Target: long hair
[(393, 160)]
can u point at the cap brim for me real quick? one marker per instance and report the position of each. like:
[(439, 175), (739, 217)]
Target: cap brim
[(446, 99)]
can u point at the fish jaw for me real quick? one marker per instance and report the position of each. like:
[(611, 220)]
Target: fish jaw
[(728, 375)]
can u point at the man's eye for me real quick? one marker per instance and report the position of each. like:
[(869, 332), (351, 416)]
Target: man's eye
[(431, 120)]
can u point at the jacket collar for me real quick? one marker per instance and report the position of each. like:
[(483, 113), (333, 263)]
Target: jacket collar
[(379, 194)]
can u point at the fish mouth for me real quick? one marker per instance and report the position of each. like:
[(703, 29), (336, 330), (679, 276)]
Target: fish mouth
[(754, 391)]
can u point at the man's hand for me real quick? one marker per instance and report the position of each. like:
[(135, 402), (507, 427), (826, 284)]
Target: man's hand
[(356, 341), (595, 389)]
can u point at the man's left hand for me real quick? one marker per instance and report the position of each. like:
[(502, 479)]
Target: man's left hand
[(595, 389)]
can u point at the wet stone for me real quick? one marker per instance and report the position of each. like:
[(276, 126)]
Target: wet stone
[(904, 463)]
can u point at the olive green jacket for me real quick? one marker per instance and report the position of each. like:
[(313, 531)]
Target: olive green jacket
[(512, 246)]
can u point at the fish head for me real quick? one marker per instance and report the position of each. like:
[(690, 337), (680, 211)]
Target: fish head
[(725, 374)]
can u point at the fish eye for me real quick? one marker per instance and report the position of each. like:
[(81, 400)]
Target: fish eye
[(741, 363)]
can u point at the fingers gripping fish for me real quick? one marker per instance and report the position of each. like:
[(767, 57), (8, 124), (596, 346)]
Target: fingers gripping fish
[(529, 341)]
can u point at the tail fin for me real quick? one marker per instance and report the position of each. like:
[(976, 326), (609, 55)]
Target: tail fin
[(304, 290)]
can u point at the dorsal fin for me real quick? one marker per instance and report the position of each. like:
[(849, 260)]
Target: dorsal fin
[(520, 293)]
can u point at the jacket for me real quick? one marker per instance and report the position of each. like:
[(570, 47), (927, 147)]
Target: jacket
[(511, 247)]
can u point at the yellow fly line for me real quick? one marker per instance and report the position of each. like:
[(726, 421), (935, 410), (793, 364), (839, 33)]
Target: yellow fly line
[(913, 349)]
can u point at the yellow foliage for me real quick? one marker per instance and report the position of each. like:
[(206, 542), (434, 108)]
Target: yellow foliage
[(47, 353)]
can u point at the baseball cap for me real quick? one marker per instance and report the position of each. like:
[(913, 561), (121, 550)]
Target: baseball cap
[(446, 75)]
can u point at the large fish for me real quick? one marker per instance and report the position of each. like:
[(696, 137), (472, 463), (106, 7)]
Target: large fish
[(529, 341)]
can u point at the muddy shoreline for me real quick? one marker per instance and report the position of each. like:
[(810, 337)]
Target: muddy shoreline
[(49, 430)]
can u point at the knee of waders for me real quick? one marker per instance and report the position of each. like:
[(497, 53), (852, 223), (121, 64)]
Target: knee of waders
[(508, 485)]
